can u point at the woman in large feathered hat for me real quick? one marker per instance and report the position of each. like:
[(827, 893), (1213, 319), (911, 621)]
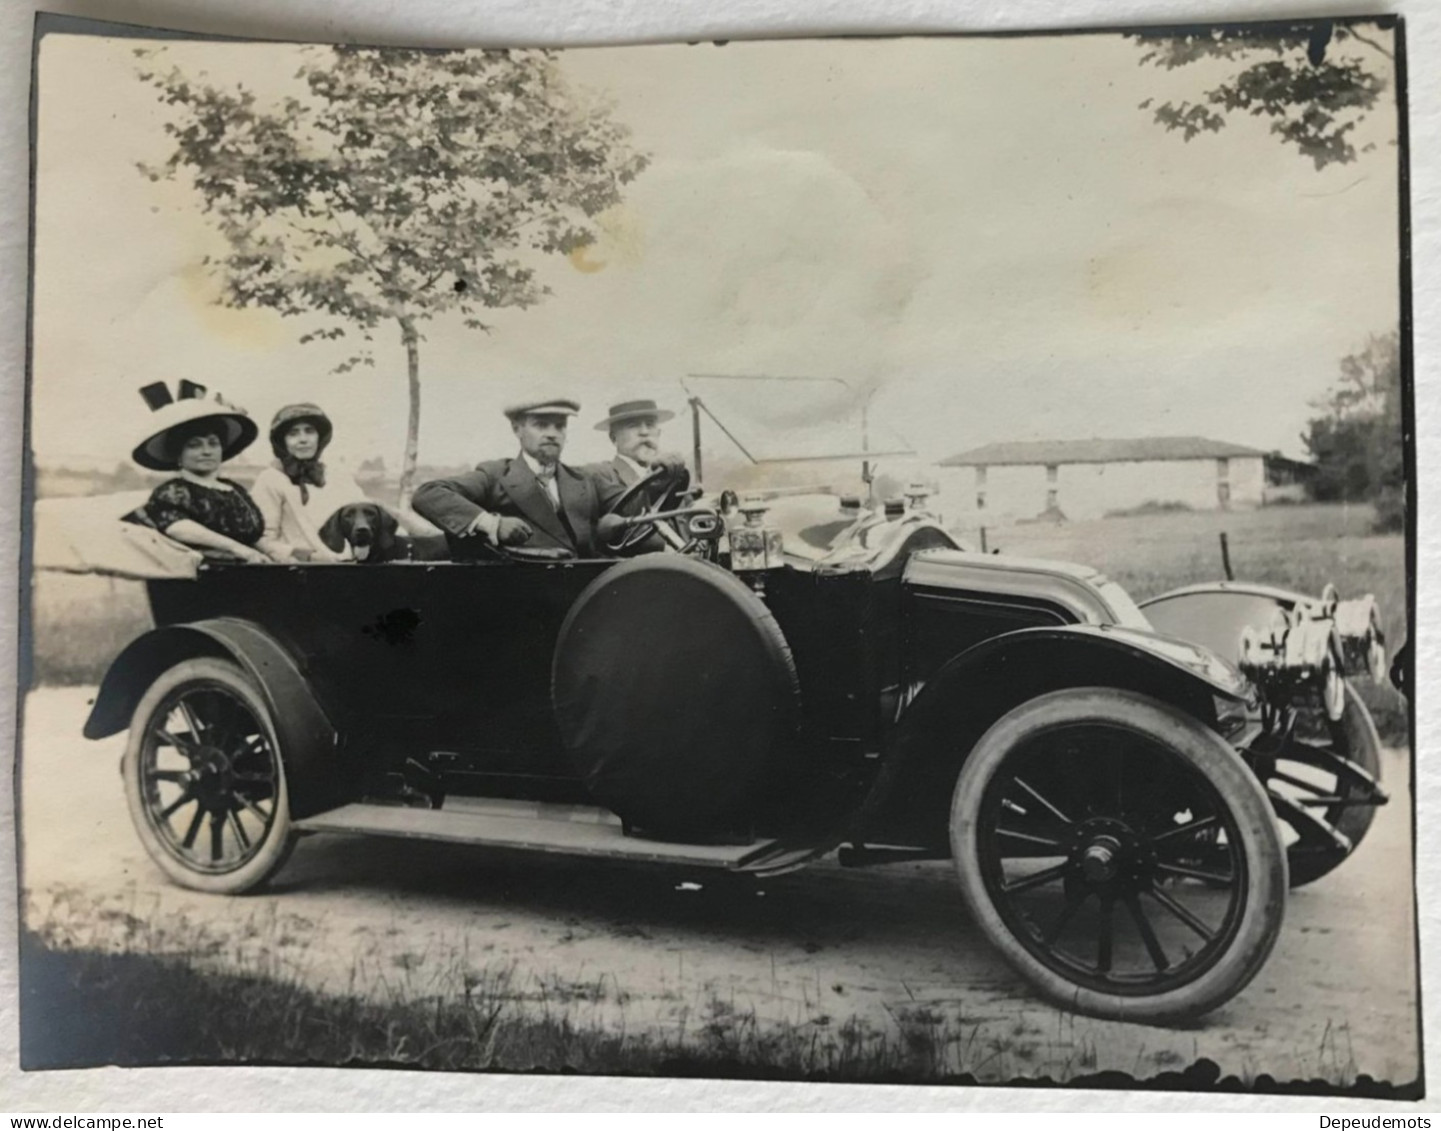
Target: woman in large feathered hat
[(193, 434)]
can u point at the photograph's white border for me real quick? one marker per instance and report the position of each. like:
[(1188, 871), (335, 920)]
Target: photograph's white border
[(576, 22)]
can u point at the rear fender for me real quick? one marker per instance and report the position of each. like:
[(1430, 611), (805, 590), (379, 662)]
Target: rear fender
[(912, 794), (307, 736)]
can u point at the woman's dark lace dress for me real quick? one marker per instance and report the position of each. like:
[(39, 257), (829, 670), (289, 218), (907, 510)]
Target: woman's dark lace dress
[(231, 513)]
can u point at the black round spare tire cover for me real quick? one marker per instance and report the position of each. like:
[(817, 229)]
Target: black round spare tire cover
[(675, 693)]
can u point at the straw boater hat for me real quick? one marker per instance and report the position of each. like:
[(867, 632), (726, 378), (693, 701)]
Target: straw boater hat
[(554, 406), (631, 410), (159, 450)]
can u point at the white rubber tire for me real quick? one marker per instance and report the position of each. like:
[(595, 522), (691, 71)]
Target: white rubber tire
[(280, 837), (1200, 748)]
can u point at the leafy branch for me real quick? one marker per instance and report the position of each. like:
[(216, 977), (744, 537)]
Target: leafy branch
[(1310, 82)]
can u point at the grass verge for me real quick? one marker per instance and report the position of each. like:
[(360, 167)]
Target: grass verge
[(88, 1007)]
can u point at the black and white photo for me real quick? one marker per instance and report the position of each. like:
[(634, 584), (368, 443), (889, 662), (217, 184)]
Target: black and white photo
[(874, 560)]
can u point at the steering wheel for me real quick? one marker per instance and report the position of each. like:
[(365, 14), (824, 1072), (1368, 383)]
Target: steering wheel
[(633, 535)]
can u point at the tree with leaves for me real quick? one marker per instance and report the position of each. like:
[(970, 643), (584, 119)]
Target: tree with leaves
[(391, 187), (1356, 441), (1315, 82)]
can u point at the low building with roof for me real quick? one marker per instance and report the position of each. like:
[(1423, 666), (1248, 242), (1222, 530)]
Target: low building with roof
[(1080, 479)]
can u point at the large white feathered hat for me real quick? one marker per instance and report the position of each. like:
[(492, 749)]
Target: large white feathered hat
[(175, 419)]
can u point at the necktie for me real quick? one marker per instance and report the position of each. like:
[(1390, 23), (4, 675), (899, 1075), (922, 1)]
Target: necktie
[(547, 481)]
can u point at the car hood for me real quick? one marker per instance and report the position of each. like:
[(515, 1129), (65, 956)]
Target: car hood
[(1088, 594)]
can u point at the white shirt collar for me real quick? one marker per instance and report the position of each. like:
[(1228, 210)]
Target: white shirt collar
[(531, 462), (549, 484)]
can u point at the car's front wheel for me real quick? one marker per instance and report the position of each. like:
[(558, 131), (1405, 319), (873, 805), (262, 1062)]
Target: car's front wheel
[(204, 779), (1311, 795), (1075, 830)]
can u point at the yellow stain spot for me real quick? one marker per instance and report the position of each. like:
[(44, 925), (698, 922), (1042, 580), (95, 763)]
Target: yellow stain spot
[(620, 240), (256, 328), (581, 261)]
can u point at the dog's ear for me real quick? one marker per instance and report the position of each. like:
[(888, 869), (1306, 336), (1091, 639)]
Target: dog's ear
[(388, 527), (332, 534)]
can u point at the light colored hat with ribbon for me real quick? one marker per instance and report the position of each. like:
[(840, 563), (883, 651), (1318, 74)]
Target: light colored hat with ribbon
[(174, 419), (633, 410)]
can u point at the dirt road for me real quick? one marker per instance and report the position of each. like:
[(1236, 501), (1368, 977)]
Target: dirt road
[(658, 950)]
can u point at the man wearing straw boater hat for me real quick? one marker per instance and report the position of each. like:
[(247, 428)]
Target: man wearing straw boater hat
[(532, 499), (634, 428)]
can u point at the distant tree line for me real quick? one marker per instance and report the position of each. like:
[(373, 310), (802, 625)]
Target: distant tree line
[(1356, 441), (54, 482)]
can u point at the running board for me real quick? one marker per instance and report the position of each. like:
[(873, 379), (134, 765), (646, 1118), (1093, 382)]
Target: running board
[(573, 830)]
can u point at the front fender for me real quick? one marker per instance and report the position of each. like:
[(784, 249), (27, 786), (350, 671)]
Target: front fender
[(1214, 614), (307, 736), (911, 797), (1050, 657)]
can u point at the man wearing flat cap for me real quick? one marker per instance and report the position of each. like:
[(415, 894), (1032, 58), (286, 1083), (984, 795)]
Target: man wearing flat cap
[(532, 499)]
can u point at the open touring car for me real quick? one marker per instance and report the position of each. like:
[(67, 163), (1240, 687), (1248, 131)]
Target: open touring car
[(1125, 792)]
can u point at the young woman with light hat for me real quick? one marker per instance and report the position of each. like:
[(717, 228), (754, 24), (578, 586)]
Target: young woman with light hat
[(299, 491), (194, 435)]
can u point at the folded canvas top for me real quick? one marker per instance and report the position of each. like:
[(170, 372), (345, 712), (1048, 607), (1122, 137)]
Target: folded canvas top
[(88, 535)]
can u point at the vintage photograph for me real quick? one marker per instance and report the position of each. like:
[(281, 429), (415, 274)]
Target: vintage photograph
[(873, 560)]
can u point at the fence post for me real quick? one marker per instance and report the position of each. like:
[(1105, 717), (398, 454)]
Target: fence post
[(1226, 557), (983, 541)]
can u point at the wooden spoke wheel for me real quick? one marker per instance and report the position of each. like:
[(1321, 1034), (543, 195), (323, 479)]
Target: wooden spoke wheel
[(205, 781), (1119, 854), (1324, 783)]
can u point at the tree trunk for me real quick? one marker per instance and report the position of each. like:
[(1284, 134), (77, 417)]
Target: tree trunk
[(411, 338)]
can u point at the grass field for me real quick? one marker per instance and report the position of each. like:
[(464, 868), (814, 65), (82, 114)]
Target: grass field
[(81, 622), (1298, 547)]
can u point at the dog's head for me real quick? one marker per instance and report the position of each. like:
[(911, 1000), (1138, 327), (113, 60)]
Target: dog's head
[(367, 528)]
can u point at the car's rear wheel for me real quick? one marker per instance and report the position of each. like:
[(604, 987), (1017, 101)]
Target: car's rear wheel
[(205, 781), (1074, 828)]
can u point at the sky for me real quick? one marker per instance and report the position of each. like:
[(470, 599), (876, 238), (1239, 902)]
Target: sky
[(985, 239)]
